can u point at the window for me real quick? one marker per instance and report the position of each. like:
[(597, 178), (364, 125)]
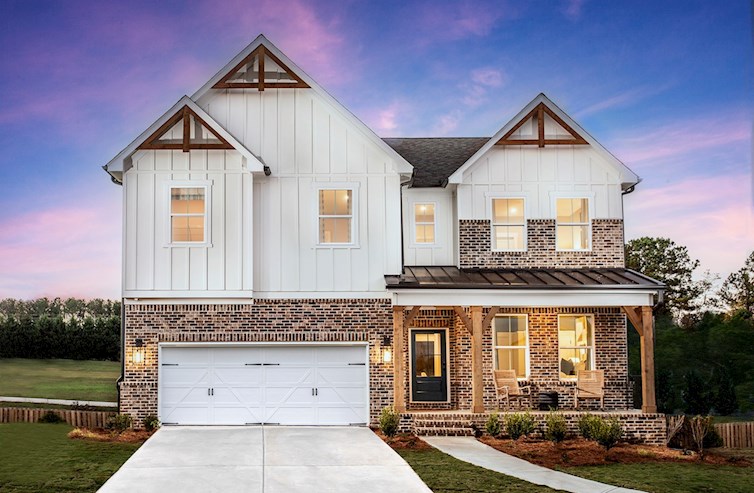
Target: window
[(576, 346), (508, 225), (335, 216), (188, 214), (572, 224), (424, 221), (511, 344)]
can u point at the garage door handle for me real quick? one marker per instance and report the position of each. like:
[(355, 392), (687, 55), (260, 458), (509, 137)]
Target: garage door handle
[(253, 364), (170, 364), (357, 364), (270, 364)]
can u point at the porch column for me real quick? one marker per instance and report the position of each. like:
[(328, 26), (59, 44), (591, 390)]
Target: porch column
[(399, 355), (649, 403), (477, 376)]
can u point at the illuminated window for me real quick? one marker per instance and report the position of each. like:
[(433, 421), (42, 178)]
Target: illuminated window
[(424, 220), (335, 216), (576, 344), (188, 214), (508, 225), (573, 224), (511, 344)]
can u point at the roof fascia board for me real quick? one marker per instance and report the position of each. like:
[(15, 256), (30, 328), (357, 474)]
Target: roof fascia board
[(121, 161), (628, 177), (401, 165), (519, 298)]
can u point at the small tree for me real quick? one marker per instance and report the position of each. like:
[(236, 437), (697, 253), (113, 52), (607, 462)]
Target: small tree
[(696, 398), (389, 421), (700, 427), (493, 425), (555, 427)]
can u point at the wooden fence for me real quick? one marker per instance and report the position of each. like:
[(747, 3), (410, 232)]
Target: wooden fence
[(736, 435), (82, 419)]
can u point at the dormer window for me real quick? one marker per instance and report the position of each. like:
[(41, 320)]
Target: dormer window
[(424, 223), (508, 225), (573, 228)]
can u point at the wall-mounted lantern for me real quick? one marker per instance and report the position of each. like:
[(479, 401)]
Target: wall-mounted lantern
[(387, 354), (138, 354)]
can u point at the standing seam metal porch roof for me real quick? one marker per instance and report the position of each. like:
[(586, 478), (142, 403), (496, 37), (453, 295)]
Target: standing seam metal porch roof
[(451, 277)]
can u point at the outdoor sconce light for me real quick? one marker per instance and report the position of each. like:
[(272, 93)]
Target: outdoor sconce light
[(138, 355), (387, 354)]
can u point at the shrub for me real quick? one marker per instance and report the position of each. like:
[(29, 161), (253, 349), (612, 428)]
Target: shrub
[(151, 422), (50, 417), (700, 427), (389, 421), (519, 424), (609, 433), (555, 427), (588, 426), (493, 425), (119, 422)]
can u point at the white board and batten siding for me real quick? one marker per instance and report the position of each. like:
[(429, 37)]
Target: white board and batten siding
[(442, 250), (152, 267), (306, 141), (540, 175)]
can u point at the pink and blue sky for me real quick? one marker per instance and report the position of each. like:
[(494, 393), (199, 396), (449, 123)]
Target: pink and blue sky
[(666, 86)]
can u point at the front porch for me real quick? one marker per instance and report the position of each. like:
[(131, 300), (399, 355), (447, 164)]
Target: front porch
[(448, 340)]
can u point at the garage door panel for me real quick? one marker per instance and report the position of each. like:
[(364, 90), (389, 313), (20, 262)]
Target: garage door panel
[(291, 415), (284, 376), (237, 356), (297, 356), (179, 375), (354, 375), (239, 396), (186, 356), (340, 355), (237, 415), (185, 396), (197, 415), (354, 396), (244, 375)]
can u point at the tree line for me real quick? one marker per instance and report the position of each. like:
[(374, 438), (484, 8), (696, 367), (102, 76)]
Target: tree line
[(57, 328), (704, 333)]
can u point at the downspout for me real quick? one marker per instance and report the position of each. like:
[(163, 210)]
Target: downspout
[(122, 348), (403, 248)]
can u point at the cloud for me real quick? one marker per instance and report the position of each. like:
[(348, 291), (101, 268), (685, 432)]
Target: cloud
[(625, 98), (573, 8), (712, 216), (387, 120), (447, 123), (453, 21), (61, 251), (481, 80)]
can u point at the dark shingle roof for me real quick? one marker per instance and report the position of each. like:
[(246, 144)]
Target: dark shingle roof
[(451, 277), (435, 159)]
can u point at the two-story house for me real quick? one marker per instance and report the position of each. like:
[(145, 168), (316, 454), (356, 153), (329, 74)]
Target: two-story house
[(284, 264)]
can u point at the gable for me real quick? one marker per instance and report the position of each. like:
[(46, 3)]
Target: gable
[(260, 69), (541, 127), (185, 131)]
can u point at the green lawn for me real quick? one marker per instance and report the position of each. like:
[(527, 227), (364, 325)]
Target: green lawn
[(41, 458), (671, 477), (445, 474), (59, 379)]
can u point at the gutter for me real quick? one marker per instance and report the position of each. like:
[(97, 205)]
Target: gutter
[(122, 348)]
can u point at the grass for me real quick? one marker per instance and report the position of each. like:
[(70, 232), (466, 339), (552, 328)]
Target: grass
[(41, 458), (671, 477), (59, 379), (445, 474)]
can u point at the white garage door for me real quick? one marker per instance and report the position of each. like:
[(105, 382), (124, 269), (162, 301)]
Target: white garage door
[(291, 385)]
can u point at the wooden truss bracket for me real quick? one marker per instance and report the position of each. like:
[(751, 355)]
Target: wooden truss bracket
[(633, 313), (465, 320), (539, 112), (236, 79), (185, 143)]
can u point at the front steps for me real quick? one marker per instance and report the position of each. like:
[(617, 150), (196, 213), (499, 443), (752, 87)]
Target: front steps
[(443, 424)]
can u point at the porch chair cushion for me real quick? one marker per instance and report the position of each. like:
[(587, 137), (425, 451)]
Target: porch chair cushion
[(590, 384), (506, 383)]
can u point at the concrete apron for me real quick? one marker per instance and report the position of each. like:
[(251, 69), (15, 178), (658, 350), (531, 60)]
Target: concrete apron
[(264, 459), (471, 450)]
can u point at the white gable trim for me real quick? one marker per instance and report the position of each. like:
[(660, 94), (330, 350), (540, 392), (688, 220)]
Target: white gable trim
[(627, 177), (120, 163), (402, 166)]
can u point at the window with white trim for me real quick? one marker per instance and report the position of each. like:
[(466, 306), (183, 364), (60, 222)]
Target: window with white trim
[(424, 223), (572, 224), (508, 224), (511, 344), (188, 214), (335, 216), (575, 344)]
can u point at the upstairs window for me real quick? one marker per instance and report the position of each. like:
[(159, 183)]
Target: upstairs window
[(188, 214), (335, 216), (508, 225), (511, 344), (573, 225), (576, 344), (424, 221)]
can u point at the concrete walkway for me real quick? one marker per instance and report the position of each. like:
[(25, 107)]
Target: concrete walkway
[(471, 450), (58, 402), (265, 459)]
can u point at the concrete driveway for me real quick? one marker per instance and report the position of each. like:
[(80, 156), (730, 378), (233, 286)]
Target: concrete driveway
[(265, 459)]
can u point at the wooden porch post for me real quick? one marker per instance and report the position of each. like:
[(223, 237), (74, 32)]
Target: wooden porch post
[(399, 355), (477, 376), (649, 403)]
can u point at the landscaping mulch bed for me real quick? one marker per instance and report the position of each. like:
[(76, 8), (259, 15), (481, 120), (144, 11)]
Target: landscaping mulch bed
[(101, 435), (579, 452), (404, 441)]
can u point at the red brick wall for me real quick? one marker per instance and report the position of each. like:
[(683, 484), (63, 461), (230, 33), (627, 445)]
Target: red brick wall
[(475, 246), (263, 321)]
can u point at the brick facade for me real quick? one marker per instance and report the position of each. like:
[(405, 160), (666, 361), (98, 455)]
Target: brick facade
[(308, 320), (475, 249)]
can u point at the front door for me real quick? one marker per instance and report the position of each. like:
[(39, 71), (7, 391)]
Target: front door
[(429, 380)]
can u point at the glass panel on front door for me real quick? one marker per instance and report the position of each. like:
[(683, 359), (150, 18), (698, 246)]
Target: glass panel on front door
[(428, 366)]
